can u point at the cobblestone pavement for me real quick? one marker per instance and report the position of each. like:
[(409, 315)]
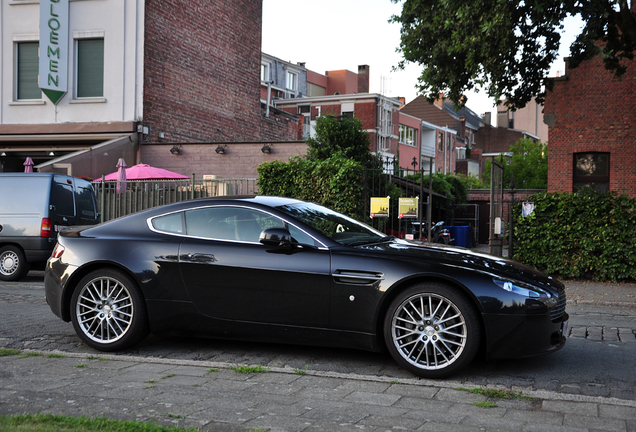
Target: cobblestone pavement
[(214, 396), (587, 386)]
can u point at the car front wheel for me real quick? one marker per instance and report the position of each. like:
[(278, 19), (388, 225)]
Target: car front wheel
[(13, 264), (108, 311), (432, 330)]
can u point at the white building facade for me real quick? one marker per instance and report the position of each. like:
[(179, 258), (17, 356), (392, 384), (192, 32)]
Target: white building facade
[(103, 71)]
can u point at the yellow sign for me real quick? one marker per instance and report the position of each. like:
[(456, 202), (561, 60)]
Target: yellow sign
[(380, 207), (408, 208)]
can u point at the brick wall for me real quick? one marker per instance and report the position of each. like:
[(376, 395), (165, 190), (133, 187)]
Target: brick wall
[(202, 72), (590, 111), (497, 139), (239, 161)]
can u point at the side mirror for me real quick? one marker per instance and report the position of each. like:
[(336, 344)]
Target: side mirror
[(276, 237)]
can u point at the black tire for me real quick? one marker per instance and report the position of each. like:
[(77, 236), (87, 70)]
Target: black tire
[(13, 263), (108, 311), (432, 330)]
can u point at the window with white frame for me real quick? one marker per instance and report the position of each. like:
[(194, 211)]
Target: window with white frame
[(26, 71), (347, 109), (408, 136), (265, 72), (292, 80), (387, 120), (89, 72), (440, 141)]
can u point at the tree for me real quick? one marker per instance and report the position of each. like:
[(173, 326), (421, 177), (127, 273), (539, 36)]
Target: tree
[(339, 136), (507, 46), (528, 166)]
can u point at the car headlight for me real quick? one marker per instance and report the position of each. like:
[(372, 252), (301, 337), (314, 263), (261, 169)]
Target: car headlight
[(522, 289)]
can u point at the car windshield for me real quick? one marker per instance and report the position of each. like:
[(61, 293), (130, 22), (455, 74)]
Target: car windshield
[(336, 226)]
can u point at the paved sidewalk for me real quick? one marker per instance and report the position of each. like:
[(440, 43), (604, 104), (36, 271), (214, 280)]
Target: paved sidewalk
[(212, 396)]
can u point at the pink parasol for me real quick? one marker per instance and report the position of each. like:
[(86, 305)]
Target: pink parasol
[(121, 175), (28, 165), (146, 172)]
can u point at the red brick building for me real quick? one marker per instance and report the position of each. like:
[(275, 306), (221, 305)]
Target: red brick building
[(592, 125), (175, 74)]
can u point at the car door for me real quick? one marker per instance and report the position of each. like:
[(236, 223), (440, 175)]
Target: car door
[(230, 275)]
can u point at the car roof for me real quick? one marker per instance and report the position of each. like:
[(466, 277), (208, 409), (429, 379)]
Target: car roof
[(262, 200)]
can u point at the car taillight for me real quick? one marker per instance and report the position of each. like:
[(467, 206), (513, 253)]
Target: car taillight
[(58, 251), (45, 228)]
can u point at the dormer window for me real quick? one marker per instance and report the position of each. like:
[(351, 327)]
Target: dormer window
[(292, 81)]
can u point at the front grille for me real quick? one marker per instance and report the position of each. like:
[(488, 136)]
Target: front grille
[(557, 311)]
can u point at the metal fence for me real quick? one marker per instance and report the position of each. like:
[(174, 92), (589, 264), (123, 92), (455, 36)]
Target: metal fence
[(389, 179), (137, 195)]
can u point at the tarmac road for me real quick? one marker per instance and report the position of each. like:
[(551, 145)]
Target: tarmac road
[(588, 385)]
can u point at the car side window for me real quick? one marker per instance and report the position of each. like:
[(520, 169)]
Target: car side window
[(172, 223), (237, 224), (229, 223)]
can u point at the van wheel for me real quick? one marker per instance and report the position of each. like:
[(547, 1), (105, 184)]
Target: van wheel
[(13, 263)]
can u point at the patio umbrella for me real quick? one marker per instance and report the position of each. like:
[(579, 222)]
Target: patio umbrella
[(121, 175), (146, 172), (28, 165)]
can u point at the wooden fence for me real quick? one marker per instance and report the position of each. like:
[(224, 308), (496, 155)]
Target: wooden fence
[(137, 195)]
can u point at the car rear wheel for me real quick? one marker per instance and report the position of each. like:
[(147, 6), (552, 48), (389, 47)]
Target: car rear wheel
[(432, 330), (13, 264), (108, 311)]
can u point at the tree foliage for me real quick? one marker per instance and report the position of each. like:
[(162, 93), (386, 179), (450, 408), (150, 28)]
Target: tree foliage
[(528, 166), (339, 136), (507, 46), (453, 187)]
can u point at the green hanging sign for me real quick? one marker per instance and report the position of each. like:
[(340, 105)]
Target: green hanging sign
[(53, 66)]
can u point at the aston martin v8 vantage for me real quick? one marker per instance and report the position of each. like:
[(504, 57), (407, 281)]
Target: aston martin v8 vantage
[(274, 269)]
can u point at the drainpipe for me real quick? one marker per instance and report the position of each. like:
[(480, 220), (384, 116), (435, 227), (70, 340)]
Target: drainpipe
[(269, 97)]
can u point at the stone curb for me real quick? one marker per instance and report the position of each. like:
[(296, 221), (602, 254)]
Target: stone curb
[(453, 385), (602, 303)]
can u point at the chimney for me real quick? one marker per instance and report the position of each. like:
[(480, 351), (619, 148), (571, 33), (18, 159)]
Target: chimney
[(402, 100), (363, 79), (487, 118), (439, 102)]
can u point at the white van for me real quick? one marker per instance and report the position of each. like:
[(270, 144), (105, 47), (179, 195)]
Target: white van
[(33, 207)]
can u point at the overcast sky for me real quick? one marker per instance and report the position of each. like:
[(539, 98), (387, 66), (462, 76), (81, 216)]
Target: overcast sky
[(343, 34)]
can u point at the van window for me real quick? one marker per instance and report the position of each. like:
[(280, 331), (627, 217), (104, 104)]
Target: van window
[(62, 198), (85, 203)]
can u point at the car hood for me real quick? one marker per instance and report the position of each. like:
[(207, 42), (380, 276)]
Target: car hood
[(464, 258)]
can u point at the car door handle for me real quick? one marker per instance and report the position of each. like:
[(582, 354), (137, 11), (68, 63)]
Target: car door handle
[(198, 258)]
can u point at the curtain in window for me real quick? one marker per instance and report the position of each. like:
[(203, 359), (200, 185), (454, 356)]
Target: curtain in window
[(90, 68)]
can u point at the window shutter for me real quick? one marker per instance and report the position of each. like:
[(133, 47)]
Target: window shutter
[(27, 84), (90, 68)]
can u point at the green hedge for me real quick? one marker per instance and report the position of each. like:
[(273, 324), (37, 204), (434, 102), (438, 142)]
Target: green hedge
[(335, 183), (582, 235)]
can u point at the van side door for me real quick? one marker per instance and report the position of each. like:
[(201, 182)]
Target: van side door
[(62, 208), (86, 203)]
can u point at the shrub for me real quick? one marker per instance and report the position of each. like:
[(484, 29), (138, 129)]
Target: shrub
[(580, 235), (335, 182)]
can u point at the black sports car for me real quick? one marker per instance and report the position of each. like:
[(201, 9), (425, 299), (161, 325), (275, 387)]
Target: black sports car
[(278, 269)]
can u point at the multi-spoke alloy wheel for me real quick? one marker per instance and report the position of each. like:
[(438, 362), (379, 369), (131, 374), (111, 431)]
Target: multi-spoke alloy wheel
[(432, 330), (108, 312)]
